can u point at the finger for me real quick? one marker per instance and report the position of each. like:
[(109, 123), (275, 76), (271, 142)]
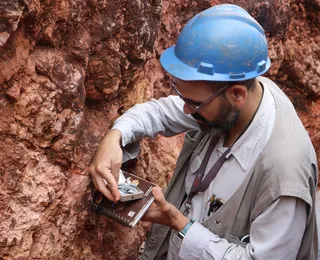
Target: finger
[(158, 196), (153, 206), (94, 182), (146, 217), (93, 178), (112, 184), (151, 215), (102, 187)]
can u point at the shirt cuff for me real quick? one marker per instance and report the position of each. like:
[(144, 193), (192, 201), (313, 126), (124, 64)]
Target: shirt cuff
[(200, 241), (129, 147), (195, 242), (125, 129)]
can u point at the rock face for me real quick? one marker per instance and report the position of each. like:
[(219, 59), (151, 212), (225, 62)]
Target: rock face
[(68, 69)]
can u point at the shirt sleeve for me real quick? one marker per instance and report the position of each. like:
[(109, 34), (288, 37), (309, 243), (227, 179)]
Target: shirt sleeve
[(163, 116), (275, 234)]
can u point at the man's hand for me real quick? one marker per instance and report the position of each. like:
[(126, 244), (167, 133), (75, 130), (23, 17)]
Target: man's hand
[(163, 212), (106, 165)]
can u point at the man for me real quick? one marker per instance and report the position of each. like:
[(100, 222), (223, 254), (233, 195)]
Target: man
[(244, 185)]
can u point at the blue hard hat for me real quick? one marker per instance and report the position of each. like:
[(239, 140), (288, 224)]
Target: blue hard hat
[(222, 43)]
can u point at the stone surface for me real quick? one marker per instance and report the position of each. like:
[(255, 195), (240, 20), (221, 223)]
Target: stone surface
[(68, 69), (10, 13)]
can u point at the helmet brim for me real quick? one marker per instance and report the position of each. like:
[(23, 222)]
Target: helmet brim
[(182, 71)]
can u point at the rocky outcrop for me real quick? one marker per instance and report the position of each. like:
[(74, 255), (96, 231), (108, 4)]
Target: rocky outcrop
[(68, 69)]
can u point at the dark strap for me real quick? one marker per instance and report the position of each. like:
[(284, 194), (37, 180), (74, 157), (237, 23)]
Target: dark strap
[(200, 184)]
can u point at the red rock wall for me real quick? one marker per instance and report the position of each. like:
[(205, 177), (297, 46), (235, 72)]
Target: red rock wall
[(68, 69)]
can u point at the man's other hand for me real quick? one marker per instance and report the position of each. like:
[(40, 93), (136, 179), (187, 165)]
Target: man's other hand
[(106, 165), (163, 212)]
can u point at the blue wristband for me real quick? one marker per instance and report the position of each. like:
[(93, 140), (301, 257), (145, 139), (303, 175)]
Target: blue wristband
[(182, 233)]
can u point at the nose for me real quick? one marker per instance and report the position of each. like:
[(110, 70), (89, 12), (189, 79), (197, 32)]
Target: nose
[(187, 109)]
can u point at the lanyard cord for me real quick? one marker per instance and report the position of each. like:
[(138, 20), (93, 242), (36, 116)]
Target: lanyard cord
[(200, 185)]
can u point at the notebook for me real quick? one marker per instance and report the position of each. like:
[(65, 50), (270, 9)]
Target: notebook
[(126, 213)]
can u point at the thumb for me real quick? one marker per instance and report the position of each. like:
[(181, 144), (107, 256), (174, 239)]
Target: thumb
[(158, 196)]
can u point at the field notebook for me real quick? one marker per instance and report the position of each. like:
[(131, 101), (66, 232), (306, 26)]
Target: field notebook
[(126, 213)]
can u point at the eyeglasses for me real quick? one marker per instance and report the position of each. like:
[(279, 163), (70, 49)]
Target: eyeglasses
[(197, 105)]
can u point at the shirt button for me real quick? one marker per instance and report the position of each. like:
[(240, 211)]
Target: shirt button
[(217, 222), (153, 241)]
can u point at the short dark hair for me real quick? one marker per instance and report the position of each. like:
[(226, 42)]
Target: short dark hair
[(249, 83)]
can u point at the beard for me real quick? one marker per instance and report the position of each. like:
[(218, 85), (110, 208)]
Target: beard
[(227, 118)]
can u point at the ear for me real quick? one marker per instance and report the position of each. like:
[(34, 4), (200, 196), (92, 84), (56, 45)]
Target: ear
[(237, 95)]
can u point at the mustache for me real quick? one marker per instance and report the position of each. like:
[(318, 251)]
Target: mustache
[(205, 125), (199, 117)]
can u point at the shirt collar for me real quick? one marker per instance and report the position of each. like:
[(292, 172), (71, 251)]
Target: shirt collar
[(243, 149)]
